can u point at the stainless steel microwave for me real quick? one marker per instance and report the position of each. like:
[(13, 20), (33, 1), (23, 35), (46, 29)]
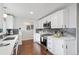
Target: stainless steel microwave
[(47, 25)]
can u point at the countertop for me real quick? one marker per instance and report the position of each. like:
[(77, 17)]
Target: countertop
[(7, 50), (65, 36)]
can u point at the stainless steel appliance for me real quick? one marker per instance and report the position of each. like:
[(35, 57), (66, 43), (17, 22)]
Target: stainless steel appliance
[(47, 25), (43, 40)]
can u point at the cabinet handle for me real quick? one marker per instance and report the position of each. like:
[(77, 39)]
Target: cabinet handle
[(65, 26), (62, 46), (66, 47)]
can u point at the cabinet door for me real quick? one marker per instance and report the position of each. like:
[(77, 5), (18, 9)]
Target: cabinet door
[(50, 45), (36, 24), (40, 23), (37, 37), (39, 26), (1, 16), (66, 17), (60, 19), (9, 22), (58, 47), (57, 19), (54, 20), (70, 47), (72, 16)]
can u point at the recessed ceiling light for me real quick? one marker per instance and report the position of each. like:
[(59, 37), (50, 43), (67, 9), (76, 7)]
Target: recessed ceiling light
[(31, 12)]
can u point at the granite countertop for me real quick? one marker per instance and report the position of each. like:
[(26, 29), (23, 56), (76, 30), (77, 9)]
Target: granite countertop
[(65, 36)]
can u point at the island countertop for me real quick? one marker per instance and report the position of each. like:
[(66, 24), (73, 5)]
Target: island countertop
[(7, 50)]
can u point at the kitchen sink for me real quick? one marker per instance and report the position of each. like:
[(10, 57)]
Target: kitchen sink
[(4, 44), (9, 38)]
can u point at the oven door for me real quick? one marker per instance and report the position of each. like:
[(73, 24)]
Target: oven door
[(44, 41)]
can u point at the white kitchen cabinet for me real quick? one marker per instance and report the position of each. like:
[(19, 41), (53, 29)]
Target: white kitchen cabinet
[(54, 20), (44, 20), (70, 14), (55, 46), (50, 45), (40, 24), (1, 16), (60, 19), (59, 46), (65, 18), (70, 47), (57, 19), (9, 22), (36, 24), (37, 38), (2, 21)]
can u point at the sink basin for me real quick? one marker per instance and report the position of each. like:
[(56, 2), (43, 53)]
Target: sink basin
[(4, 44), (9, 38)]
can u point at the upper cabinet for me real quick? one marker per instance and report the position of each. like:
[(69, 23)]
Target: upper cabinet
[(57, 19), (9, 22), (40, 24), (54, 20), (65, 18), (70, 14), (1, 16)]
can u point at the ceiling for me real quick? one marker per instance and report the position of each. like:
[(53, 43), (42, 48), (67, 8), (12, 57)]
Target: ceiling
[(22, 10)]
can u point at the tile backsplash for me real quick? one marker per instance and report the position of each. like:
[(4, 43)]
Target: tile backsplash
[(71, 31), (1, 30), (15, 31)]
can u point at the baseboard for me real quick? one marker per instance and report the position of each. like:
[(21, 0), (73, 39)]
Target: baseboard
[(27, 39)]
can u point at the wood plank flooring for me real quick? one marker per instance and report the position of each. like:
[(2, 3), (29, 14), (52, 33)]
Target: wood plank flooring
[(30, 48)]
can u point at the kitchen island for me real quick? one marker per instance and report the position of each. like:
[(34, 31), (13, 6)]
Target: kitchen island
[(9, 49)]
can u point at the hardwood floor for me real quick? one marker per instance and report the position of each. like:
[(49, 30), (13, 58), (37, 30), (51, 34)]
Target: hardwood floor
[(30, 48)]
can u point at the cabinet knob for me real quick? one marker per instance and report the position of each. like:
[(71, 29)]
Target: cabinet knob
[(66, 47)]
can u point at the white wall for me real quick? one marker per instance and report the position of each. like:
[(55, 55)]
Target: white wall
[(19, 22)]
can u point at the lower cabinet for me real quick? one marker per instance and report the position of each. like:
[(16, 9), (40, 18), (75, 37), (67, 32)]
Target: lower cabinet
[(50, 45), (37, 38), (61, 46), (70, 47)]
